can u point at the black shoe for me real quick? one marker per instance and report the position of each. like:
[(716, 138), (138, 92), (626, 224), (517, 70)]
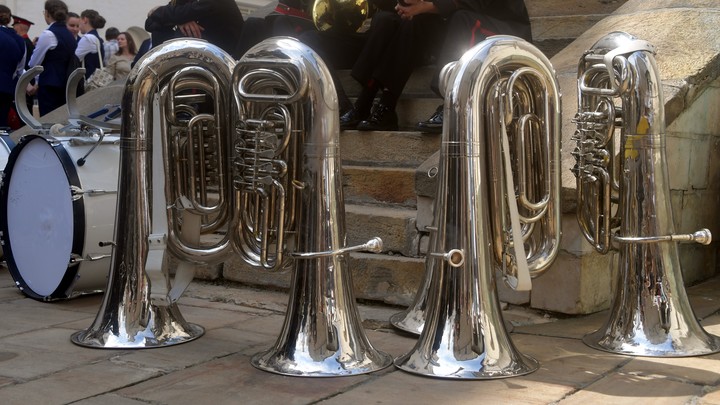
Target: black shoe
[(382, 118), (434, 124), (350, 119)]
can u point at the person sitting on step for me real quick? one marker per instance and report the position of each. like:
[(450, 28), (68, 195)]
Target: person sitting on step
[(399, 42), (468, 27)]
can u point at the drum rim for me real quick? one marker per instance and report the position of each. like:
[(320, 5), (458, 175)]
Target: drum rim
[(68, 165)]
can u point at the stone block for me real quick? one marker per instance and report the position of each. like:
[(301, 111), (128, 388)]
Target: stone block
[(697, 262), (379, 185), (426, 176), (392, 280), (699, 162), (397, 148), (507, 294), (424, 213), (678, 152), (696, 119), (395, 226), (235, 269), (574, 284), (713, 168)]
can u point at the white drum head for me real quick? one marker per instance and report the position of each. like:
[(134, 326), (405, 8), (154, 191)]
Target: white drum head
[(40, 220)]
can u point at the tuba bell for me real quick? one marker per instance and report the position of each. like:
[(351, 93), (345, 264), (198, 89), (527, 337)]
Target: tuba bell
[(340, 16), (623, 197), (172, 188), (291, 210), (496, 207)]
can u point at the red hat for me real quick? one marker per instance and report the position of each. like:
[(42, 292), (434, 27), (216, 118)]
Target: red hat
[(20, 20)]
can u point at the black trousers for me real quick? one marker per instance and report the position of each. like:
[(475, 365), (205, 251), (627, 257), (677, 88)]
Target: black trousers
[(6, 102), (395, 47), (338, 51), (50, 98), (466, 29)]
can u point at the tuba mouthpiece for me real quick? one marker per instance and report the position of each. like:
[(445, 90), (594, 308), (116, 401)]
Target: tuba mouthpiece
[(374, 245), (703, 236)]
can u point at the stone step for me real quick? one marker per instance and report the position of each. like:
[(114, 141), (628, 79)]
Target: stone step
[(397, 148), (379, 185), (392, 279), (563, 19), (396, 226)]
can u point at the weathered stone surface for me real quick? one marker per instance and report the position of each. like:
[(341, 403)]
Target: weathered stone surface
[(574, 284), (395, 226), (398, 149), (390, 281), (379, 185)]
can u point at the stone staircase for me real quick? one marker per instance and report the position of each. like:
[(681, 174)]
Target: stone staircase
[(387, 189)]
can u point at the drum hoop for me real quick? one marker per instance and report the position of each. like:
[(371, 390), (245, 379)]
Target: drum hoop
[(78, 220), (8, 141)]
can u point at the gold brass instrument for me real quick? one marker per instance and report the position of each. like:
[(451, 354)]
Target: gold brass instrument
[(496, 207), (624, 202), (175, 135), (291, 209), (342, 16)]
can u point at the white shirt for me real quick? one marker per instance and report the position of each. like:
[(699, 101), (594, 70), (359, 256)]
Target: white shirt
[(46, 41), (88, 44)]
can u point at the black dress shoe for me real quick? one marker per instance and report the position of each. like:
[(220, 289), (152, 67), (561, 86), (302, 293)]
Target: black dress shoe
[(350, 119), (382, 118), (434, 124)]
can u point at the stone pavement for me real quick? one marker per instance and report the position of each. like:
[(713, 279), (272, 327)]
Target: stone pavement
[(39, 364)]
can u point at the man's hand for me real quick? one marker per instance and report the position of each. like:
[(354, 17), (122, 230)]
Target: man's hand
[(31, 89), (410, 8), (191, 29)]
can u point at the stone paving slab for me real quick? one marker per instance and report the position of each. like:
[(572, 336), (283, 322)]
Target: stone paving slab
[(621, 388), (39, 364)]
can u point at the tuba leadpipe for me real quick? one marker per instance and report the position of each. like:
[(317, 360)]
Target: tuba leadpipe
[(291, 211), (623, 198), (174, 106), (502, 106)]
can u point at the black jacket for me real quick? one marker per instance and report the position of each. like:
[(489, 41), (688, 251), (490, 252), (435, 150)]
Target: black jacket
[(221, 20)]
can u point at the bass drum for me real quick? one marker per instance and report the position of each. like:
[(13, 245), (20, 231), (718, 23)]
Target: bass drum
[(57, 216), (6, 145)]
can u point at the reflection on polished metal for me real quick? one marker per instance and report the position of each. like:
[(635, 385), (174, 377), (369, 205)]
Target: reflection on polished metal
[(632, 212), (175, 120), (502, 128), (340, 16), (291, 208), (412, 320)]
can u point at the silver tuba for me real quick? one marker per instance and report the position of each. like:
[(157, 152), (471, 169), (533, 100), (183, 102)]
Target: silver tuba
[(288, 182), (623, 198), (175, 135), (496, 207)]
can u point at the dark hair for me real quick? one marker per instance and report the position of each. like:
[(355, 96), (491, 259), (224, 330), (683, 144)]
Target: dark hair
[(56, 9), (73, 15), (131, 44), (112, 33), (5, 14), (94, 18)]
